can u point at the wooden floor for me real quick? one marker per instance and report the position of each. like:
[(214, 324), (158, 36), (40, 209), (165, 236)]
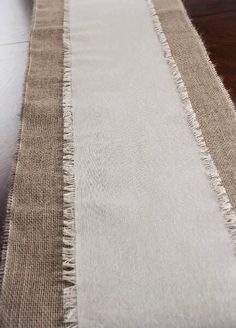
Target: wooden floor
[(215, 21)]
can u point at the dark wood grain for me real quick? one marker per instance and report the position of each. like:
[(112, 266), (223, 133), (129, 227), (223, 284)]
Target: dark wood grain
[(215, 21), (209, 7)]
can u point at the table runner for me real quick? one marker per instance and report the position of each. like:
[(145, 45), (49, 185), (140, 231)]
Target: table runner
[(141, 175)]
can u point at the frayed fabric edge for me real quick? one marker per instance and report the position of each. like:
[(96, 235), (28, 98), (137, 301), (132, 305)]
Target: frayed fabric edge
[(9, 197), (69, 265), (211, 64), (210, 168)]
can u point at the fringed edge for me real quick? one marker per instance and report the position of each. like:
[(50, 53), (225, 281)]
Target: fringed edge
[(9, 202), (69, 271), (210, 168)]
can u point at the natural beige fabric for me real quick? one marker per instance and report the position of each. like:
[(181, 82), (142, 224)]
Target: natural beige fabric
[(32, 286), (210, 101)]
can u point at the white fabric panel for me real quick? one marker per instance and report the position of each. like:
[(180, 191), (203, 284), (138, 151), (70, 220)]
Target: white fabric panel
[(12, 71), (152, 248), (15, 21)]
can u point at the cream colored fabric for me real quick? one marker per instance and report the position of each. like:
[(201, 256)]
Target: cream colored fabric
[(152, 248), (15, 23)]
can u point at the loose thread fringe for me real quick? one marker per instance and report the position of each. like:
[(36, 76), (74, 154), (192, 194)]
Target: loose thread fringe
[(10, 196), (69, 265), (210, 168)]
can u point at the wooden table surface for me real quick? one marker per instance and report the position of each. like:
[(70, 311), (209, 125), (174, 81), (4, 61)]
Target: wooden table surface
[(215, 20)]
